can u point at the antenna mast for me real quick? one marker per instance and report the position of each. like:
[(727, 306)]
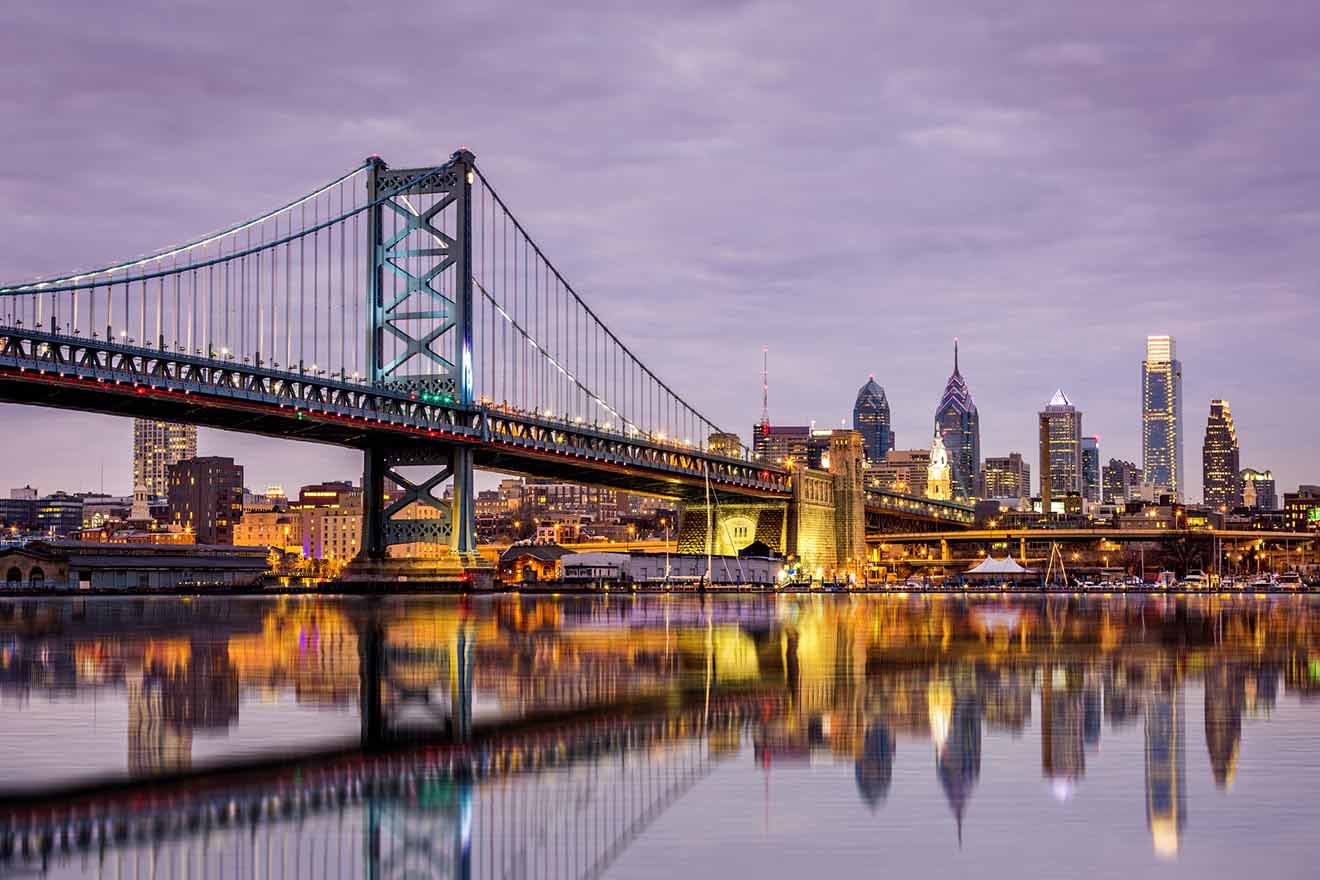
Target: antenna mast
[(765, 387)]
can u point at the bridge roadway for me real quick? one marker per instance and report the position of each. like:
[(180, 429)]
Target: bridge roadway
[(66, 372)]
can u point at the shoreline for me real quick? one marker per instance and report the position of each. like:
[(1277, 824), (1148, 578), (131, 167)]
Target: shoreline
[(397, 590)]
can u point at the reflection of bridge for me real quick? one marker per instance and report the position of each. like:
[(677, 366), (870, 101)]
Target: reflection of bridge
[(550, 802)]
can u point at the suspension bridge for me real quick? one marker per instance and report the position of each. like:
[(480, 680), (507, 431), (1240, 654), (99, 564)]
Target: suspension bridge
[(405, 312)]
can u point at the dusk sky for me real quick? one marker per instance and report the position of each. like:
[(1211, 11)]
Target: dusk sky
[(852, 185)]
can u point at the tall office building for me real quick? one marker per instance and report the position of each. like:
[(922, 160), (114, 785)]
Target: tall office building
[(959, 425), (1219, 459), (206, 498), (1161, 416), (1258, 492), (782, 444), (871, 420), (1091, 469), (1060, 450), (156, 446), (1122, 481), (1007, 477)]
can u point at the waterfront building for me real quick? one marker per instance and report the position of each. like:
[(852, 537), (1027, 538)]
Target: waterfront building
[(1161, 415), (1219, 459), (206, 498), (335, 533), (939, 477), (1006, 477), (903, 471), (1258, 492), (781, 444), (282, 530), (1122, 481), (1060, 450), (60, 514), (959, 426), (1091, 489), (335, 493), (75, 565), (871, 420), (1301, 509), (18, 514), (156, 446)]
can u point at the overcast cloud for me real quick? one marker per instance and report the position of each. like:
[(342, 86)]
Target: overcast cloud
[(850, 184)]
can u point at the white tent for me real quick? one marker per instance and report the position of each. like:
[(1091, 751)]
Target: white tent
[(998, 567)]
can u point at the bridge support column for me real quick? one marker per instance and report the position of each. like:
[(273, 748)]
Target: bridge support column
[(409, 533)]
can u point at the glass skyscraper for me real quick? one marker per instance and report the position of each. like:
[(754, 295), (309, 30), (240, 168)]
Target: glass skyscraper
[(871, 420), (1091, 469), (1060, 450), (957, 423), (1219, 459), (1161, 416)]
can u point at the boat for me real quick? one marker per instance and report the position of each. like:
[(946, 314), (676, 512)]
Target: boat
[(1167, 580), (1262, 582), (1195, 581), (1290, 581)]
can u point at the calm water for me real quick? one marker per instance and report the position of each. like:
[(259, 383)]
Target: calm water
[(760, 737)]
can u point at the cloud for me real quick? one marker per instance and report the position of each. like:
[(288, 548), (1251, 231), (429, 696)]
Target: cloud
[(851, 186)]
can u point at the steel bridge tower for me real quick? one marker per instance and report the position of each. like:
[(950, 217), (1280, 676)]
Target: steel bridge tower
[(428, 311)]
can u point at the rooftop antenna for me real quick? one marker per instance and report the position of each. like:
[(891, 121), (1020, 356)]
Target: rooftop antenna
[(765, 387), (955, 354)]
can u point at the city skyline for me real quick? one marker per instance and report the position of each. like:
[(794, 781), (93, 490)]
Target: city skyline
[(991, 177)]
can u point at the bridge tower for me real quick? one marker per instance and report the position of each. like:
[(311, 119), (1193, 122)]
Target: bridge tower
[(419, 341)]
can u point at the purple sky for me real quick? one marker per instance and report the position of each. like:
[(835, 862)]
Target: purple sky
[(852, 186)]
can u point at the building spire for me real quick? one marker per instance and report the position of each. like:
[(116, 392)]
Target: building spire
[(955, 355)]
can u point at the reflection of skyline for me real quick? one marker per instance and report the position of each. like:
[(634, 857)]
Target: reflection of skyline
[(1166, 769), (847, 679)]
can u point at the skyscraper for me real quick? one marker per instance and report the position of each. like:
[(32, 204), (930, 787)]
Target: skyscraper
[(1060, 450), (1007, 477), (1161, 416), (958, 424), (1091, 469), (1122, 481), (871, 420), (156, 446), (1219, 459)]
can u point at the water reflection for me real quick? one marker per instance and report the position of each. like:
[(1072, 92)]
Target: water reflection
[(543, 737)]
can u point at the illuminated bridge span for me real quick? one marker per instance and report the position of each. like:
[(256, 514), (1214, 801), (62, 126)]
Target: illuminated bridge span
[(404, 312), (894, 512), (555, 803)]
